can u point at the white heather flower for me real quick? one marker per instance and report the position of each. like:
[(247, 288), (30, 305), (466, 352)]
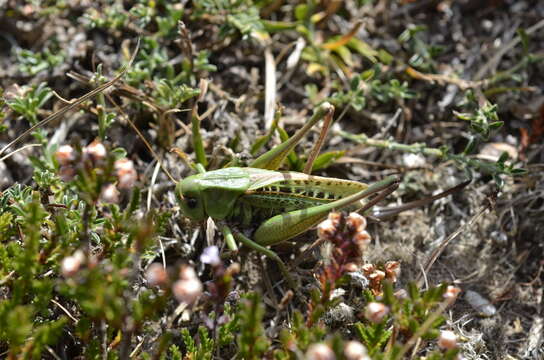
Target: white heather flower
[(109, 194), (320, 351), (354, 350), (70, 266), (95, 150), (210, 255), (65, 154), (375, 312), (187, 290), (156, 275), (126, 174), (413, 160), (447, 339)]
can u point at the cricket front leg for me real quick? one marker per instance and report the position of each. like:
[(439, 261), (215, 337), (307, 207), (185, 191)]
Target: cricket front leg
[(288, 225), (265, 251)]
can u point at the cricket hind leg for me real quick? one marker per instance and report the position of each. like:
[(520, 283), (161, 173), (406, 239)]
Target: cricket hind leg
[(290, 224)]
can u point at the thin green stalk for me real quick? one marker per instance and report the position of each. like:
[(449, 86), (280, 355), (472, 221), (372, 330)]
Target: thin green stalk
[(416, 148)]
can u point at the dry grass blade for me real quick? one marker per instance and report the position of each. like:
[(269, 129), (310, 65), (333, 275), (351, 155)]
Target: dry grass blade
[(270, 91)]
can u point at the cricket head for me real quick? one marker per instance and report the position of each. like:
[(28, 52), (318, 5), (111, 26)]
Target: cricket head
[(190, 198)]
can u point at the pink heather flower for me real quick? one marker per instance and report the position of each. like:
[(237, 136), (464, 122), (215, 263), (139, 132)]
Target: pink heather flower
[(320, 351), (392, 270), (447, 339), (326, 229), (109, 194), (354, 350), (451, 293), (362, 239), (375, 312), (95, 151), (187, 290), (70, 266), (377, 275), (356, 221), (65, 155), (156, 275), (187, 273), (126, 174)]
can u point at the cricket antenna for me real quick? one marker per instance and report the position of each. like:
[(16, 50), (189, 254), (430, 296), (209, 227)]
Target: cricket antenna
[(141, 136), (74, 103)]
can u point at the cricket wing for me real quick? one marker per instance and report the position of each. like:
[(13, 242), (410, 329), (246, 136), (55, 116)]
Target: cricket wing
[(292, 190)]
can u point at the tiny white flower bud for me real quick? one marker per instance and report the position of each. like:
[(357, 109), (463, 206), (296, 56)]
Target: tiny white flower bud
[(156, 275), (109, 194), (187, 291), (65, 154), (320, 351), (354, 350), (447, 339), (80, 256), (210, 255), (375, 312), (95, 150), (186, 272), (126, 174), (70, 266)]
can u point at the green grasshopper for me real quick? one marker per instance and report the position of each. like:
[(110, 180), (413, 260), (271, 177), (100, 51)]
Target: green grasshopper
[(286, 203), (289, 202)]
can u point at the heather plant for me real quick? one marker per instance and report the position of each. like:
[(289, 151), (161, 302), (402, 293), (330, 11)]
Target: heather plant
[(96, 257)]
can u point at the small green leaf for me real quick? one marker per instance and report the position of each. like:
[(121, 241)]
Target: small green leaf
[(470, 146), (504, 156), (301, 12), (518, 171), (496, 125)]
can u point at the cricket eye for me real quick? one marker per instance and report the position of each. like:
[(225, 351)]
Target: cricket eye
[(191, 202)]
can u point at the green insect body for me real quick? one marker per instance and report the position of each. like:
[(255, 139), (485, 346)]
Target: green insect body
[(220, 193), (291, 202)]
